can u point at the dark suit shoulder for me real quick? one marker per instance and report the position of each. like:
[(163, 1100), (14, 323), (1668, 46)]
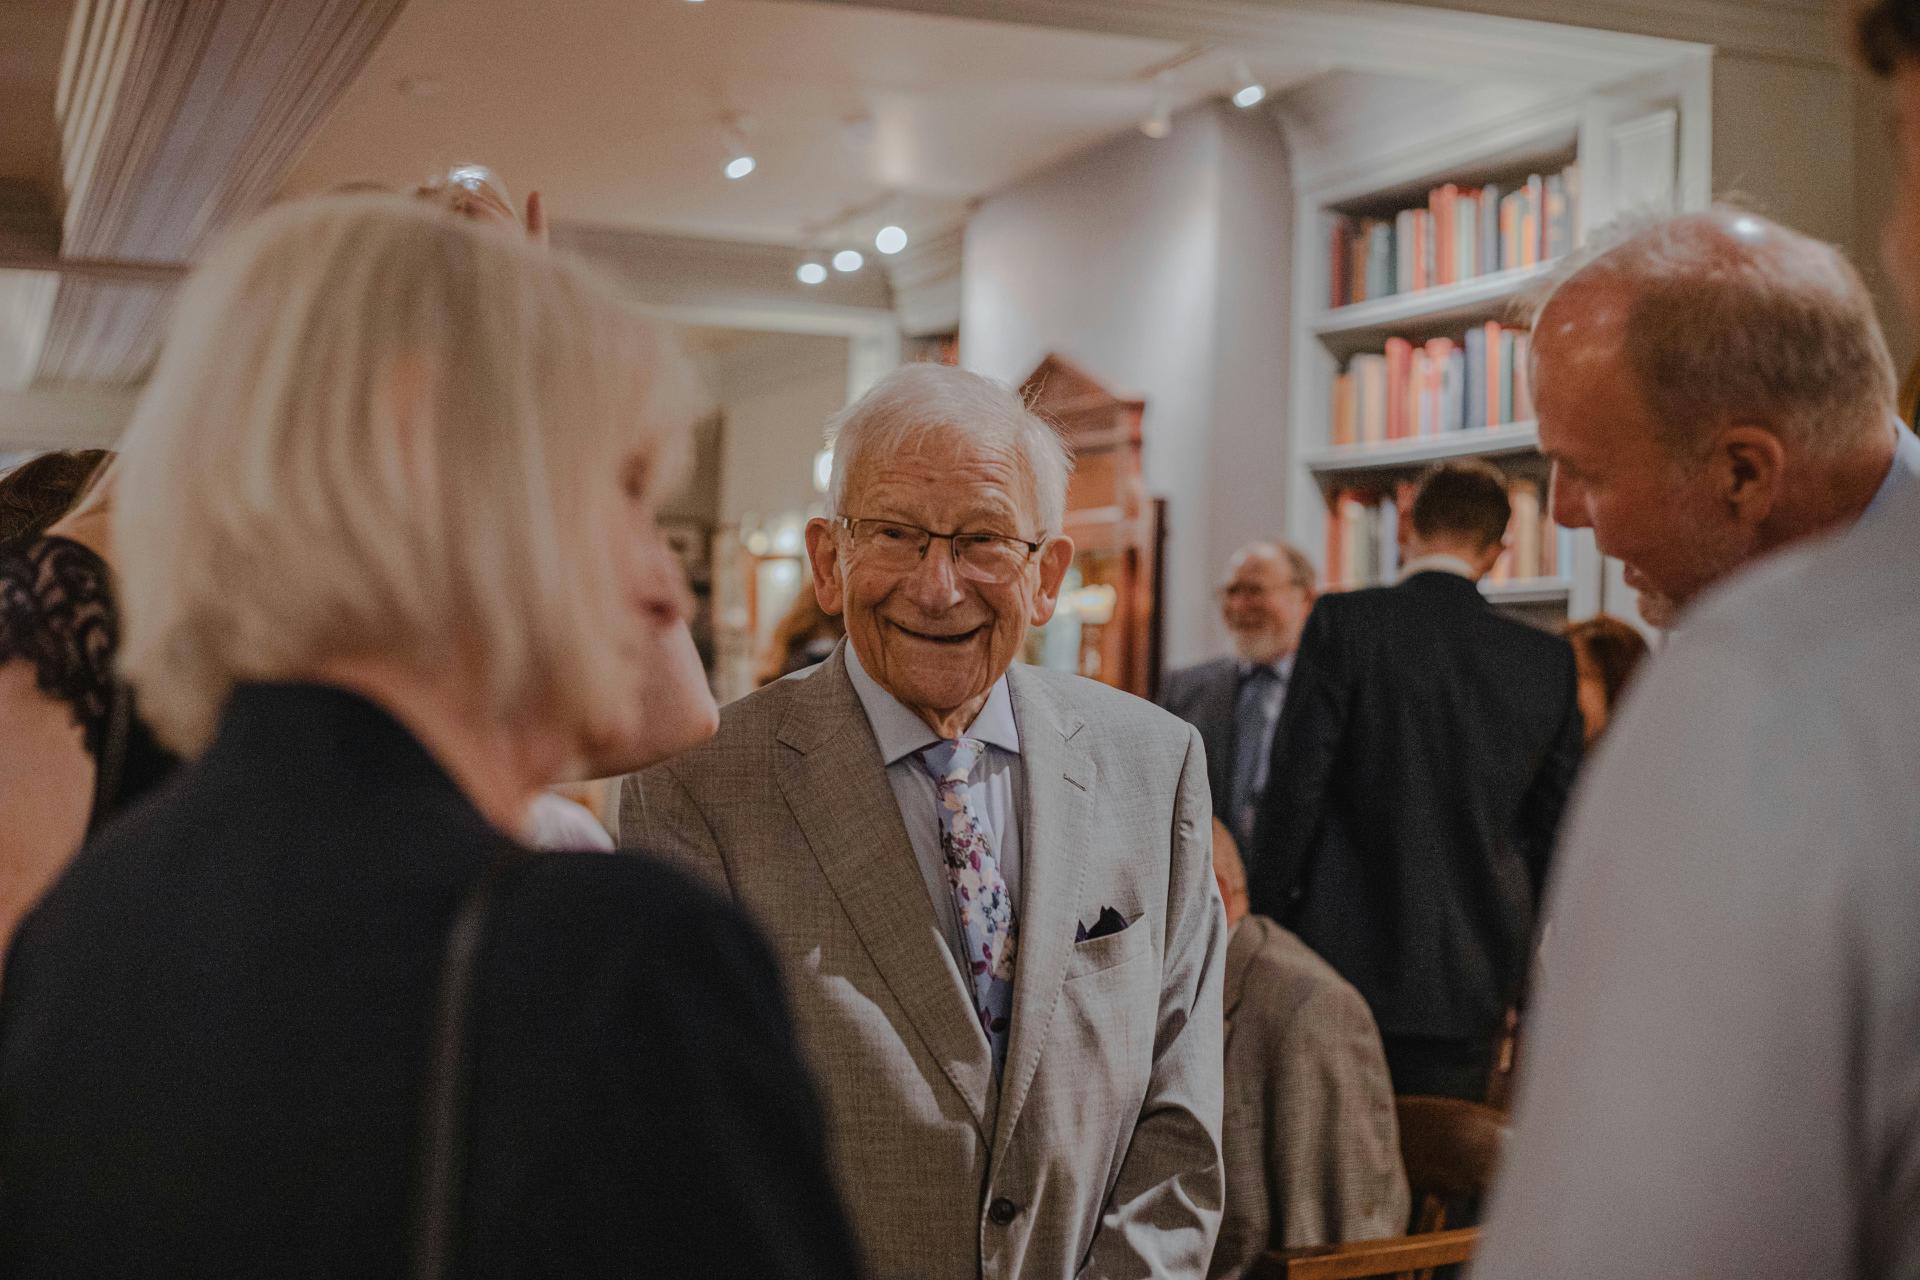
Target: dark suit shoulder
[(1185, 683)]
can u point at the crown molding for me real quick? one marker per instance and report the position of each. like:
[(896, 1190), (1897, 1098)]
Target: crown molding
[(1424, 36)]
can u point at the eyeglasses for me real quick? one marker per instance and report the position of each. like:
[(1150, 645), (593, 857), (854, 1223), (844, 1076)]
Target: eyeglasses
[(1248, 590), (981, 557)]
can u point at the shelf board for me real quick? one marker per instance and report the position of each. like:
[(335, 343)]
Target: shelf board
[(1528, 591), (1464, 301), (1514, 437)]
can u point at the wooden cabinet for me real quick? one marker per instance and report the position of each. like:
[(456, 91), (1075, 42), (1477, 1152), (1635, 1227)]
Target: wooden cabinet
[(1108, 623)]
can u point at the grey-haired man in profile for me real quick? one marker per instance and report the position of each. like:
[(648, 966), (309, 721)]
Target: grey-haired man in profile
[(1722, 1076), (990, 884)]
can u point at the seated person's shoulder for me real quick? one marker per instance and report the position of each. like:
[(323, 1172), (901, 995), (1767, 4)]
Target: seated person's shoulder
[(1295, 980)]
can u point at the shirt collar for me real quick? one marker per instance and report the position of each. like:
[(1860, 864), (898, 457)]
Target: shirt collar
[(1281, 666), (1906, 466), (1437, 564), (900, 732)]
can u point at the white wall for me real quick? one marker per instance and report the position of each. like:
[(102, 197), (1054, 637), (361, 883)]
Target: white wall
[(776, 395), (1159, 266)]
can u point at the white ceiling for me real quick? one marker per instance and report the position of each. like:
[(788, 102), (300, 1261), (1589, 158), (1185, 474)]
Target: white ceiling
[(614, 109)]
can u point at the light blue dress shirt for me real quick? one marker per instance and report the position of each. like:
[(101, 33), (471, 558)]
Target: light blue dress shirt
[(997, 787)]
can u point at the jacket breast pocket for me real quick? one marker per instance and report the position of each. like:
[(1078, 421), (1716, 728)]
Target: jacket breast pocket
[(1098, 954)]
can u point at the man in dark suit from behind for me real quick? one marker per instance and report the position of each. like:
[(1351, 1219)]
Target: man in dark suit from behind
[(1419, 772), (1235, 702)]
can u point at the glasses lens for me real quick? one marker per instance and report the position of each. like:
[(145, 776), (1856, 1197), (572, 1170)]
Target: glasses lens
[(887, 544), (987, 558)]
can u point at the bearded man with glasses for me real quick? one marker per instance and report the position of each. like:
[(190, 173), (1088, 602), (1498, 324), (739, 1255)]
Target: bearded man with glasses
[(991, 884)]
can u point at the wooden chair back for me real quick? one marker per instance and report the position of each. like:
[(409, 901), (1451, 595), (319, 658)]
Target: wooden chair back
[(1451, 1150)]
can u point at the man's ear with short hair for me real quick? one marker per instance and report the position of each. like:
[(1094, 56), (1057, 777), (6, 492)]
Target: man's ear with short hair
[(823, 559), (1056, 557), (1748, 467)]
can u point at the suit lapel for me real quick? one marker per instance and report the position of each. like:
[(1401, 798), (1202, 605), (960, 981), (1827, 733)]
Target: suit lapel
[(836, 786), (1057, 764)]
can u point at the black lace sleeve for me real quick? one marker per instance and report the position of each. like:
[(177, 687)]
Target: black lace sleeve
[(57, 612)]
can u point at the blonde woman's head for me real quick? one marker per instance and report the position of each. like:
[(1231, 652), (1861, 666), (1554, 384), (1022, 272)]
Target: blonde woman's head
[(378, 432)]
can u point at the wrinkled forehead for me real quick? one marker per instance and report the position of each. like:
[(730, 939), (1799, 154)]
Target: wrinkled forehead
[(946, 467), (1258, 567)]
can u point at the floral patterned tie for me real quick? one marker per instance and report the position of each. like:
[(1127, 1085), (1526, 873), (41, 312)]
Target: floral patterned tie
[(979, 893)]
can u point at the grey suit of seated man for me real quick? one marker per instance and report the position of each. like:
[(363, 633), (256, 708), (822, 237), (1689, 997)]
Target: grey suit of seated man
[(989, 883), (1310, 1137)]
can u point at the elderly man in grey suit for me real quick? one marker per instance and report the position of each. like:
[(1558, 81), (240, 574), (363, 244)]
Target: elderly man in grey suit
[(989, 883), (1310, 1137)]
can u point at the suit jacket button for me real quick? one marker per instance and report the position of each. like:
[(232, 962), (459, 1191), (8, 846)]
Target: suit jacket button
[(1002, 1211)]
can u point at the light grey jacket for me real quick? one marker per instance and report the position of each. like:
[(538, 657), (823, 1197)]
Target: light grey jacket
[(1311, 1143), (1104, 1136)]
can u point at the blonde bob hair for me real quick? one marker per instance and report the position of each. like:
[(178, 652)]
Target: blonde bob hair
[(378, 431)]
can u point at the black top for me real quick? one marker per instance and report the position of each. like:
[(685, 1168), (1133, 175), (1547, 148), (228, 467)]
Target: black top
[(214, 1029), (1422, 761), (57, 611)]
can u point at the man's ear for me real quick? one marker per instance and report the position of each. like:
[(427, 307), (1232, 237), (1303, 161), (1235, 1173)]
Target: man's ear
[(823, 556), (1748, 465), (1489, 557), (1055, 559)]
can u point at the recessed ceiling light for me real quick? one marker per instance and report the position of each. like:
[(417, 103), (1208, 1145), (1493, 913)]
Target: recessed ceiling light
[(811, 273), (847, 260), (739, 167), (1159, 122), (1251, 92), (890, 240)]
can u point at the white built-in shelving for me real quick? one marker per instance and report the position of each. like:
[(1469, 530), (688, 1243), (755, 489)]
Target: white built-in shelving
[(1641, 145)]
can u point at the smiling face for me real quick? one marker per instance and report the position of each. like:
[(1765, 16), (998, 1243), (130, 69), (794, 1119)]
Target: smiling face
[(934, 639), (1264, 605), (1613, 472)]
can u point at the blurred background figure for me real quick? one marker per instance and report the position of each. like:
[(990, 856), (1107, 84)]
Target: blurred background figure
[(1423, 758), (74, 751), (1606, 653), (1235, 702), (391, 568), (1310, 1141), (804, 636)]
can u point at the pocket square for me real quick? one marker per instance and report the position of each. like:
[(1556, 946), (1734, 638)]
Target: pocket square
[(1110, 921)]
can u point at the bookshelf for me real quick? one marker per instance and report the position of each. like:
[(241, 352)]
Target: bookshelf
[(1599, 155)]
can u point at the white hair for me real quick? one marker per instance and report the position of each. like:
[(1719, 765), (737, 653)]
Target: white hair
[(918, 400), (377, 431)]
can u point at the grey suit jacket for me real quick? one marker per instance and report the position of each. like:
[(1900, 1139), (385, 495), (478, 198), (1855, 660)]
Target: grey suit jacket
[(1311, 1143), (1206, 695), (1103, 1138)]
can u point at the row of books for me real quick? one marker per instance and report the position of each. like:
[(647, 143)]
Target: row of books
[(1461, 232), (1442, 385), (1364, 528)]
